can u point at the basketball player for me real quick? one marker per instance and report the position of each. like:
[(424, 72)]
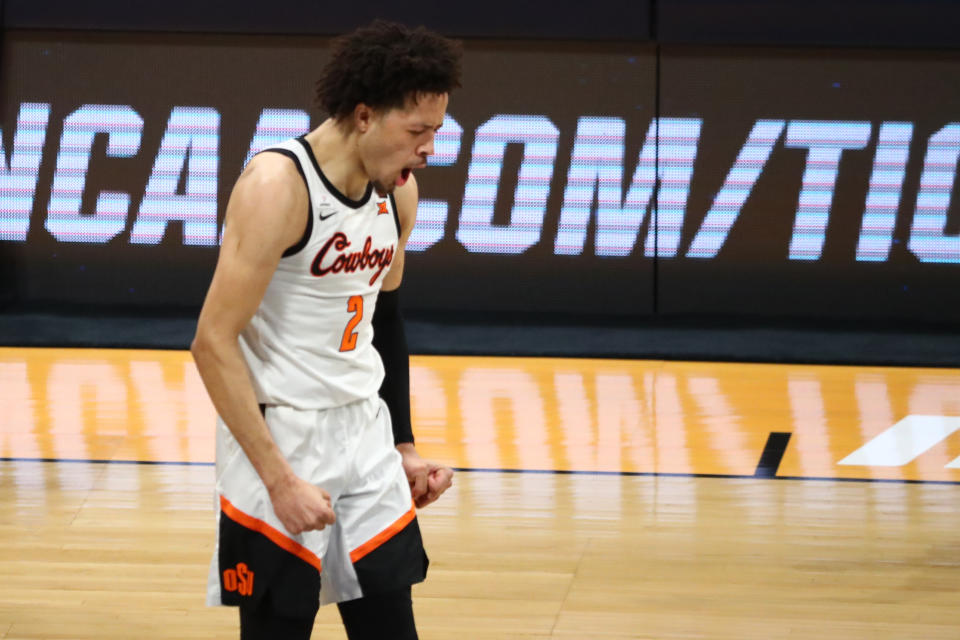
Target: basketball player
[(301, 348)]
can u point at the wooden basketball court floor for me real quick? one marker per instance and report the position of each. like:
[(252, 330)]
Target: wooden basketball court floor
[(594, 499)]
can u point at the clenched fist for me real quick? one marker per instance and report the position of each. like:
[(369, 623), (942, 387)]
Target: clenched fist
[(428, 480), (301, 506)]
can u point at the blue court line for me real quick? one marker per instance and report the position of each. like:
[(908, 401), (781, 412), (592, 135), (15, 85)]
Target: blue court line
[(158, 463), (563, 472)]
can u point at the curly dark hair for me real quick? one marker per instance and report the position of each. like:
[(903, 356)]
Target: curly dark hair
[(382, 64)]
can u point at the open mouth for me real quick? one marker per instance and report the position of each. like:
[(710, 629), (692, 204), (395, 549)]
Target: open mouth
[(403, 177)]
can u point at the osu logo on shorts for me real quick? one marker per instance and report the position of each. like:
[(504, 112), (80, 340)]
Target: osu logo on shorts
[(239, 580)]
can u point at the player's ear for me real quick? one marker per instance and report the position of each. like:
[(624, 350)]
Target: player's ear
[(362, 117)]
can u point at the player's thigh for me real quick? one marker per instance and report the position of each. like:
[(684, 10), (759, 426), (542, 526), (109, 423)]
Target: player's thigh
[(379, 519), (381, 541), (266, 624), (378, 616)]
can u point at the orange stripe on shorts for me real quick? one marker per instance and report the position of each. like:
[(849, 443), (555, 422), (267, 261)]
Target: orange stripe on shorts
[(384, 535), (275, 536)]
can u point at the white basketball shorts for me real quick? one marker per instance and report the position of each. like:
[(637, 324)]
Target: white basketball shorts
[(375, 545)]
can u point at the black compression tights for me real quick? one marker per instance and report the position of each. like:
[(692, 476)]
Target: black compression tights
[(375, 617), (380, 616), (258, 624)]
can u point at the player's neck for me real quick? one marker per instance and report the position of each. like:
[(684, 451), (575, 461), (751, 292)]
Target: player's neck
[(338, 157)]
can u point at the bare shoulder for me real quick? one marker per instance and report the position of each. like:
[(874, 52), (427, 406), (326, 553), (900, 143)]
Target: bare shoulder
[(406, 198), (269, 200), (268, 176)]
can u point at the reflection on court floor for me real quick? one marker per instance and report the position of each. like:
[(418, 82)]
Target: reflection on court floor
[(94, 550), (526, 414)]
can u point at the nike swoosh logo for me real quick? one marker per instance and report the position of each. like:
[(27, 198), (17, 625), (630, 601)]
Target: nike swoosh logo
[(329, 215)]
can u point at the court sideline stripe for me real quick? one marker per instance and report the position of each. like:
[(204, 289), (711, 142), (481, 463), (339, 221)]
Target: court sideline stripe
[(564, 472)]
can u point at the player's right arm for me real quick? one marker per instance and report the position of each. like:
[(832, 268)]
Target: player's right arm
[(265, 216)]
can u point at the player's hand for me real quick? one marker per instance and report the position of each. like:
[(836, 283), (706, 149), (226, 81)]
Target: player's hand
[(301, 506), (428, 480), (439, 479)]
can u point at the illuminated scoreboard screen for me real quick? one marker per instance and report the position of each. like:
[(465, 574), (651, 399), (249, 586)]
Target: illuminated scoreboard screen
[(824, 183), (752, 182)]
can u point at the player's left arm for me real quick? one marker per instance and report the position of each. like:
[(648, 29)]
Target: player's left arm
[(427, 479)]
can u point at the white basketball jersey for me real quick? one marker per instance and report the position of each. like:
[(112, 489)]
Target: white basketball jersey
[(309, 345)]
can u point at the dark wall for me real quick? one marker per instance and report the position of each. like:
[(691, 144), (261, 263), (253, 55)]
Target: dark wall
[(861, 23), (602, 19), (845, 23)]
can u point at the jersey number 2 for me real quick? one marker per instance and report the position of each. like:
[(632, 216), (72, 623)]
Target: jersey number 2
[(354, 306)]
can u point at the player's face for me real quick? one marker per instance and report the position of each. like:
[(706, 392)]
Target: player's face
[(397, 141)]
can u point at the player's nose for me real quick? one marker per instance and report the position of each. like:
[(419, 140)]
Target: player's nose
[(426, 149)]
